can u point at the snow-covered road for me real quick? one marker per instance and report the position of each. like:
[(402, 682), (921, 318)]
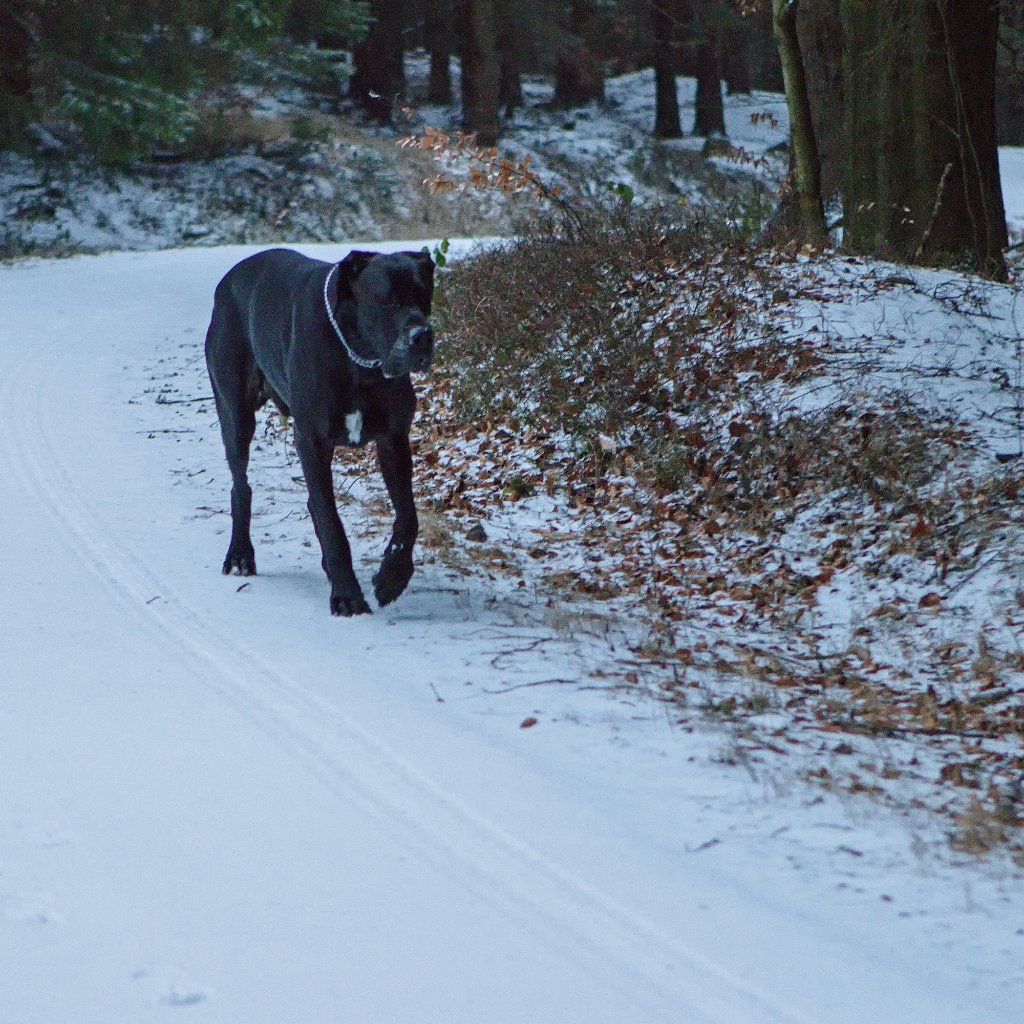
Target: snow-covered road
[(222, 805)]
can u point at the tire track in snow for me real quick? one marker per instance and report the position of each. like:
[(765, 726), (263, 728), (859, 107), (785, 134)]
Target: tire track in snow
[(666, 979)]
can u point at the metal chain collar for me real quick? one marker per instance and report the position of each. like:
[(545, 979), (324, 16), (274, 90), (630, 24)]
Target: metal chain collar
[(367, 364)]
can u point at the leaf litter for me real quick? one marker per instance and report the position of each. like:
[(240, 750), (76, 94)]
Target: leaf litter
[(837, 568)]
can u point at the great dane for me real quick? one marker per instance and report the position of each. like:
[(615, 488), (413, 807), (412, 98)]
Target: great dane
[(333, 345)]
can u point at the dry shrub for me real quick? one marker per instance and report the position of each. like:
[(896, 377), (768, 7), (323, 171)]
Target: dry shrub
[(615, 326), (986, 826), (647, 339)]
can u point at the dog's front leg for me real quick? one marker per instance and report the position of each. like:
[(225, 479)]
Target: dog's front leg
[(346, 595), (395, 461)]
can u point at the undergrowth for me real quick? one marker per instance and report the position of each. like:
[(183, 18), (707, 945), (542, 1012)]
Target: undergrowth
[(614, 326), (641, 336), (726, 475)]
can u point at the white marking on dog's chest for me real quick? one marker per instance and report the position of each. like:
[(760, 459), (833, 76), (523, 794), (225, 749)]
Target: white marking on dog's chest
[(354, 427)]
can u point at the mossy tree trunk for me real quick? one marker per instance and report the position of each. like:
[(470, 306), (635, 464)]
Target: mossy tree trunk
[(922, 175), (804, 147)]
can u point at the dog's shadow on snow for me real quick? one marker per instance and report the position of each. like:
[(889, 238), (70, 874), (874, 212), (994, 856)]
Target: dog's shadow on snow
[(425, 600)]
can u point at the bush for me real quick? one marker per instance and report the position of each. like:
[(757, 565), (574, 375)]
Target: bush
[(623, 327), (650, 344)]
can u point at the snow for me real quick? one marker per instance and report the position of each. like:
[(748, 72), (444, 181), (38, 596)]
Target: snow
[(599, 145), (1011, 171), (217, 801)]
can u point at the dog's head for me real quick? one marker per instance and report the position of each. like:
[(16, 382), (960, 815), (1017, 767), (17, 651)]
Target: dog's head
[(385, 299)]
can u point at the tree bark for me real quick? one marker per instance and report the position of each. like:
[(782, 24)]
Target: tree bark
[(378, 78), (15, 73), (510, 86), (819, 31), (15, 50), (439, 46), (735, 37), (480, 71), (709, 119), (664, 24), (970, 35), (579, 70), (512, 46), (922, 173), (804, 144)]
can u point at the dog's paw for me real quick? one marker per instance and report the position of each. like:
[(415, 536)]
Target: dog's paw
[(349, 604), (243, 564), (393, 575)]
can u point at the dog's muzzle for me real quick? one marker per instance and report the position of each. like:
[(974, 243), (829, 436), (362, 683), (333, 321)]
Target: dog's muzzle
[(421, 347), (412, 352)]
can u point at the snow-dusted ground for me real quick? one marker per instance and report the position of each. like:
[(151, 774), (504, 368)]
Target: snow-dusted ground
[(593, 146), (217, 803), (357, 182)]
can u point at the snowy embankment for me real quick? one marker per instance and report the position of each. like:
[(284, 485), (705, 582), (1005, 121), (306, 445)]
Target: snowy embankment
[(217, 801), (833, 561)]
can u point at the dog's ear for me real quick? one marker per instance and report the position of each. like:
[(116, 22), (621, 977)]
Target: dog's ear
[(355, 263), (348, 270), (424, 265), (425, 272)]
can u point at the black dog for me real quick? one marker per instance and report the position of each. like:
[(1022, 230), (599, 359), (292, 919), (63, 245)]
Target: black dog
[(333, 345)]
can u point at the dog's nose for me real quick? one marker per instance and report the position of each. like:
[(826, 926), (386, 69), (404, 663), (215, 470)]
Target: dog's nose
[(421, 337)]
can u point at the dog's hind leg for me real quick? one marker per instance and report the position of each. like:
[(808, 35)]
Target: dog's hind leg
[(236, 382)]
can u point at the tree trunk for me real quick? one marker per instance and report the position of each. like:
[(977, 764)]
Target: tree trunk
[(922, 173), (820, 35), (579, 70), (664, 24), (709, 119), (480, 72), (510, 86), (512, 47), (735, 37), (15, 49), (15, 73), (439, 45), (378, 78), (1010, 76), (801, 126)]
